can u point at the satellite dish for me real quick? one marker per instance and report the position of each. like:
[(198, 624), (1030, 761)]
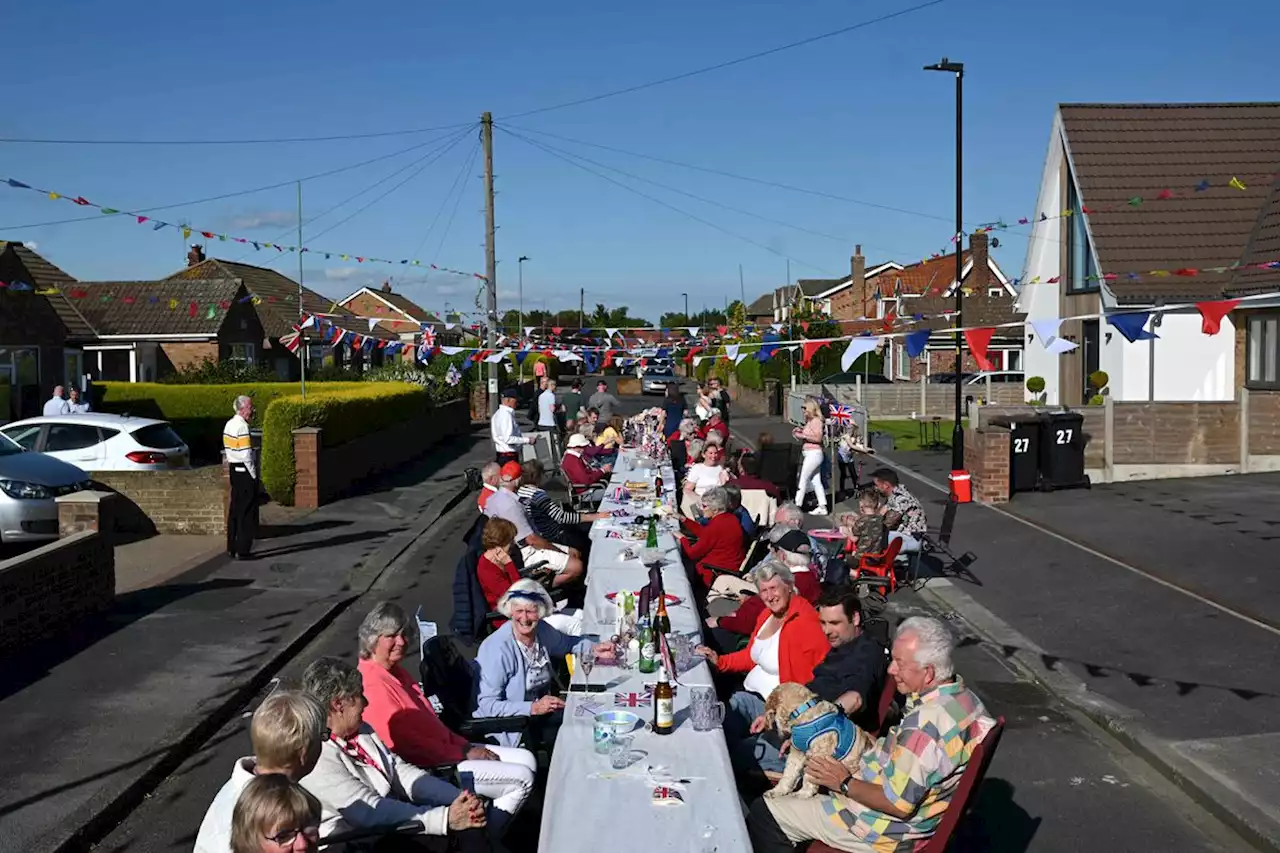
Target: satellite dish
[(995, 242)]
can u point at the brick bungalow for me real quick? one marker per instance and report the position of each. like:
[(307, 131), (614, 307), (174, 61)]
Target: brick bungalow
[(403, 316)]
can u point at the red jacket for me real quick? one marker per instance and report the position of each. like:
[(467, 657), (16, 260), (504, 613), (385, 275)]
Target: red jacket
[(404, 719), (495, 580), (742, 620), (722, 428), (719, 544), (578, 472), (801, 647)]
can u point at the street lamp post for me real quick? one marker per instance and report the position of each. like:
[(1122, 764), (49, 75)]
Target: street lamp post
[(686, 307), (520, 328), (957, 434)]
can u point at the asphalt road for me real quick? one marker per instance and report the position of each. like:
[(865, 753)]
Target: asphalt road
[(1057, 785)]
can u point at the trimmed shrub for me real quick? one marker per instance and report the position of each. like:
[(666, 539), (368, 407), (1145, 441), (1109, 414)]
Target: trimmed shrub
[(197, 412), (1098, 380), (210, 371), (1097, 400), (1035, 384), (343, 414)]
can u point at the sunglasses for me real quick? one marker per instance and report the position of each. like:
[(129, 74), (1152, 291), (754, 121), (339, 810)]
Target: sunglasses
[(288, 836)]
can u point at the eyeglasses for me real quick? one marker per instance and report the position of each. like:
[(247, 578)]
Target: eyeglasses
[(287, 836)]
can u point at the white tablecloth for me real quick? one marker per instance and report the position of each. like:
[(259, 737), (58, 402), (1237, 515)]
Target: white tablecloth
[(589, 806)]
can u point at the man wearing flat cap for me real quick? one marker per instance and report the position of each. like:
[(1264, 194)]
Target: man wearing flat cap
[(506, 432)]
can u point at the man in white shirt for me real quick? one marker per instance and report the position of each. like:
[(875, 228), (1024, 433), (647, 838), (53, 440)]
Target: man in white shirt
[(505, 430), (547, 407), (237, 448), (286, 732), (75, 404), (57, 404)]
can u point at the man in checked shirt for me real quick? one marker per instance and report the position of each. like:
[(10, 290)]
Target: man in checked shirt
[(237, 447)]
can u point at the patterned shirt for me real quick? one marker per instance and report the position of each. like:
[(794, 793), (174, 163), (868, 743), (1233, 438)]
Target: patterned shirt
[(918, 764), (870, 532), (905, 504)]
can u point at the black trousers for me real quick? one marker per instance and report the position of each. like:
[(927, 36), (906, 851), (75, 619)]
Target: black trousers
[(504, 458), (242, 517)]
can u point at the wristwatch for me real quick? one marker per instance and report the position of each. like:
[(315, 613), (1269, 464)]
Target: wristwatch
[(844, 786)]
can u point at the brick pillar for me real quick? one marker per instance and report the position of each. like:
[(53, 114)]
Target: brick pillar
[(306, 466), (87, 511), (479, 401), (986, 456)]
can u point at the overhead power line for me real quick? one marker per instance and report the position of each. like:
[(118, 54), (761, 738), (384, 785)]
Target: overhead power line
[(223, 196), (730, 62), (662, 81), (444, 202), (573, 162)]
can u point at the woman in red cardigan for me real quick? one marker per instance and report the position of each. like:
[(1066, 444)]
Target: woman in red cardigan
[(787, 643), (718, 542)]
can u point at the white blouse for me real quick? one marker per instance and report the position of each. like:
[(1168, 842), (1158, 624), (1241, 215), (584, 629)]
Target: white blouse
[(763, 677)]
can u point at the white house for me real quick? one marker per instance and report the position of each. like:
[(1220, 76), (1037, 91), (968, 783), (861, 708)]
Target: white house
[(1136, 209)]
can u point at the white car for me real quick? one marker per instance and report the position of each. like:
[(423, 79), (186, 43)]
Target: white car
[(655, 380), (99, 442)]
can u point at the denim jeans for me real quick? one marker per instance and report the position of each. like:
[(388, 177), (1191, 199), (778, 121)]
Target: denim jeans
[(748, 751)]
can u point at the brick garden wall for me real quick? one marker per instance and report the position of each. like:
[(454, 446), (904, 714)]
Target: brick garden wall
[(898, 400), (986, 458), (1095, 428), (1264, 423), (191, 501), (46, 591), (324, 473)]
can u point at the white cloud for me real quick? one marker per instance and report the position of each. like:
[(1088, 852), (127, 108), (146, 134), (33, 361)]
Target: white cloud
[(342, 273), (32, 245), (263, 219)]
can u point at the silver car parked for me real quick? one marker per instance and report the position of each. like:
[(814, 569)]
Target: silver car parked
[(28, 484)]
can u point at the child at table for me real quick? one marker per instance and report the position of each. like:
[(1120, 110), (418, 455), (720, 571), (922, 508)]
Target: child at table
[(865, 530)]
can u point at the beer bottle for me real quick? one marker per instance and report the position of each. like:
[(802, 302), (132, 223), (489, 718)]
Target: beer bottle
[(664, 705), (662, 622), (648, 648), (652, 540)]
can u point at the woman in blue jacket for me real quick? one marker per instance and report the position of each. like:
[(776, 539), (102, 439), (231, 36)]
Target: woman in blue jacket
[(514, 662)]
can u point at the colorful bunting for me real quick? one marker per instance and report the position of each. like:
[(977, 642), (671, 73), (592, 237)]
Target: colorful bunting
[(1211, 314), (979, 340), (1131, 326), (856, 349)]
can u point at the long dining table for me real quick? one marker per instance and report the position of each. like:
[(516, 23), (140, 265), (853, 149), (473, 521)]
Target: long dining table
[(589, 805)]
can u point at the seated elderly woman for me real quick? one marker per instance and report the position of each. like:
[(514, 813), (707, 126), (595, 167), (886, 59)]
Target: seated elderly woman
[(513, 665), (403, 718), (708, 473), (275, 814), (361, 784), (786, 643), (497, 571), (576, 466), (717, 542), (286, 732), (715, 425), (792, 550)]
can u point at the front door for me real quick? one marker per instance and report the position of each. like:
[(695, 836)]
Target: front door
[(1089, 355)]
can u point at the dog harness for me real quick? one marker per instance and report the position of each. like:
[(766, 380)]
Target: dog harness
[(832, 721)]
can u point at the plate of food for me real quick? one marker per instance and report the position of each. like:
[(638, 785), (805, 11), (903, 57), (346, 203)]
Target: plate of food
[(672, 600)]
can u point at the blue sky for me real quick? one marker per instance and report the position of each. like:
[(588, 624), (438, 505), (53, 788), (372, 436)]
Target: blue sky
[(853, 116)]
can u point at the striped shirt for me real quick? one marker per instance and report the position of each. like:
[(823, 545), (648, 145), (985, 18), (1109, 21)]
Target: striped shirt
[(548, 516), (237, 444), (918, 764)]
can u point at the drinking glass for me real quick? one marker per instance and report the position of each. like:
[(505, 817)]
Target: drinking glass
[(706, 712), (620, 752)]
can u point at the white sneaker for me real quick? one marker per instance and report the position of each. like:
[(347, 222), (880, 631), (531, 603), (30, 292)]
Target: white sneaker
[(821, 510)]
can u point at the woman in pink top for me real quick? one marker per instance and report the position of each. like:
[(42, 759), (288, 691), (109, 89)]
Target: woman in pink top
[(403, 717), (811, 456)]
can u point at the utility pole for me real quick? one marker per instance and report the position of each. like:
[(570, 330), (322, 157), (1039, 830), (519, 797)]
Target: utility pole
[(686, 309), (582, 299), (490, 255), (520, 328), (742, 290), (303, 349)]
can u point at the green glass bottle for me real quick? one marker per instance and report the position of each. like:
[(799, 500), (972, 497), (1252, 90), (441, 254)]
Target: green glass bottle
[(652, 540), (648, 648)]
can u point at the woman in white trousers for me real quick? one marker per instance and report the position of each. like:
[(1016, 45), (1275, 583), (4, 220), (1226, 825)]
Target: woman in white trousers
[(811, 457)]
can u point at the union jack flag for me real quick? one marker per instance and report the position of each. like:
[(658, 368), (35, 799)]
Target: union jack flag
[(842, 414), (632, 700)]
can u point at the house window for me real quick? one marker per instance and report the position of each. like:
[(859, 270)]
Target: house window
[(1262, 351), (995, 292), (1079, 253), (242, 353), (1012, 359), (903, 362), (887, 307)]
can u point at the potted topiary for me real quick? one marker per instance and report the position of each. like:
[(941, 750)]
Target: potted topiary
[(1098, 385), (1035, 385)]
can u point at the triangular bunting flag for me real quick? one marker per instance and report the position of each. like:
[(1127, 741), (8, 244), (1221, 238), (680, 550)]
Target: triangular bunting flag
[(737, 359), (731, 352), (610, 332), (373, 324), (857, 348), (978, 341), (1131, 326), (1058, 346), (810, 348), (1046, 330), (916, 342), (1211, 314), (693, 331)]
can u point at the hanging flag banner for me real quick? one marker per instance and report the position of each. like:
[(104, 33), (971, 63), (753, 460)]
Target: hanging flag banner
[(187, 230), (857, 348), (1057, 346), (1046, 330), (1131, 326), (978, 341), (1211, 314)]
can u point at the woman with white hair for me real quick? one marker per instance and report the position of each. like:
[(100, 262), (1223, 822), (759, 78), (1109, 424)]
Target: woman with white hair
[(717, 542), (786, 644), (403, 718), (361, 784), (811, 455), (791, 550), (514, 662)]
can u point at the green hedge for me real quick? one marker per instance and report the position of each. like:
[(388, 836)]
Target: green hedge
[(343, 414), (197, 412)]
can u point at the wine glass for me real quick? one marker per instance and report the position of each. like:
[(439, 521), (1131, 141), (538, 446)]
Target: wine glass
[(587, 660)]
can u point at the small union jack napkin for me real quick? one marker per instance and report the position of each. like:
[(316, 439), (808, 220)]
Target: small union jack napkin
[(664, 796)]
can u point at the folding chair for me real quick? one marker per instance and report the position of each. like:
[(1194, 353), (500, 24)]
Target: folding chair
[(877, 569)]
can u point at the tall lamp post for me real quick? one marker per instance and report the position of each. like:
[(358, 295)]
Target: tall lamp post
[(520, 329), (957, 435), (686, 307)]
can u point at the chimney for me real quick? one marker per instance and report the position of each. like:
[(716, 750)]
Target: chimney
[(196, 255), (386, 286), (858, 279), (980, 277)]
